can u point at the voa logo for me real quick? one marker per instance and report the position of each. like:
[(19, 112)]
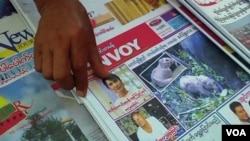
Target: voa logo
[(236, 132)]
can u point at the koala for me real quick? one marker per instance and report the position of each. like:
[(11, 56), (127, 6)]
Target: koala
[(198, 86), (162, 74)]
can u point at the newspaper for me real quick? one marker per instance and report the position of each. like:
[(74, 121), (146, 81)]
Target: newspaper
[(168, 71), (229, 19), (105, 15), (210, 34), (157, 57)]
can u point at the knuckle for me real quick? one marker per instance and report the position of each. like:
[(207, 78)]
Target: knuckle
[(79, 29), (60, 77), (76, 30), (77, 66), (48, 76)]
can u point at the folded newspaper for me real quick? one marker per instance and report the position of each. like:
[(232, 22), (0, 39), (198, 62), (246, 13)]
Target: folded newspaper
[(206, 30), (229, 19)]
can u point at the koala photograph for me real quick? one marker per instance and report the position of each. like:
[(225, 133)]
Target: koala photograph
[(162, 75), (160, 71), (163, 71), (198, 86)]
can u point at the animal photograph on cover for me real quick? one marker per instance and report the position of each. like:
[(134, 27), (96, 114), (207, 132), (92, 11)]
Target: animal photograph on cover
[(206, 79)]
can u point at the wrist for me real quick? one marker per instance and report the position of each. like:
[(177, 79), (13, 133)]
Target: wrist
[(40, 4)]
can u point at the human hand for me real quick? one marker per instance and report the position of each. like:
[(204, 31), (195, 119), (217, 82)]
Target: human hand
[(65, 44)]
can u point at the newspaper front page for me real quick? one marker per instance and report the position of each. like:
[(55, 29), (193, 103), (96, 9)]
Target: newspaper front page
[(166, 72)]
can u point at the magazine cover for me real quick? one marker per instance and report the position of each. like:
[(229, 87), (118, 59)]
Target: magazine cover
[(165, 73), (30, 110), (15, 37), (16, 45), (210, 34), (28, 12), (230, 18), (78, 112)]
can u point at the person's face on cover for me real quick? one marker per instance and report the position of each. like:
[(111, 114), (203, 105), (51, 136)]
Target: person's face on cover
[(115, 85), (139, 120), (241, 113)]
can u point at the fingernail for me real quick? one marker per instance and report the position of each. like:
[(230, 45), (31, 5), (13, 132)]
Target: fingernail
[(81, 93)]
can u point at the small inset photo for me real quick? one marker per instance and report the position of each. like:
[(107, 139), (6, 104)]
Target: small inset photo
[(161, 72), (121, 92), (237, 110), (151, 122)]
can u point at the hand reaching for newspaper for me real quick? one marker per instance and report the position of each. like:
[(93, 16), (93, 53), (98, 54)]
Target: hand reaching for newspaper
[(65, 43)]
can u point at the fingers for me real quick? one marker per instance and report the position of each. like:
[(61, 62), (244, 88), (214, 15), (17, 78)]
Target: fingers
[(37, 54), (62, 66), (95, 62), (92, 53), (51, 57), (43, 56), (62, 51), (94, 58), (47, 64), (79, 64)]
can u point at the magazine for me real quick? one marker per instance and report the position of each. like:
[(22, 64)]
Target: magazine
[(229, 19), (163, 70), (80, 114), (31, 111), (210, 34), (28, 7), (16, 45), (26, 103)]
